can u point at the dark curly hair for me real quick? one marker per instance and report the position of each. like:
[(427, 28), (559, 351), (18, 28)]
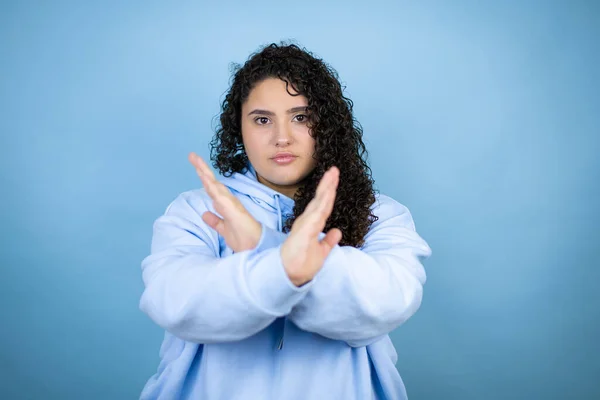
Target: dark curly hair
[(338, 136)]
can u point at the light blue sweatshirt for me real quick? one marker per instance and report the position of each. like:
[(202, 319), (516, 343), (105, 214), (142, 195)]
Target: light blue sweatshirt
[(237, 328)]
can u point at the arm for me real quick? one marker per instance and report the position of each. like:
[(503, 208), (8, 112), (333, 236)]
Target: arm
[(361, 294), (197, 296)]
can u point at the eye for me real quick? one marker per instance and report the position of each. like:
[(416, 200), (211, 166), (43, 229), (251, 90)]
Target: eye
[(261, 120), (301, 118)]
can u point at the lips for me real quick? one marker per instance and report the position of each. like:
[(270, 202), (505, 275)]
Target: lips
[(284, 158), (283, 155)]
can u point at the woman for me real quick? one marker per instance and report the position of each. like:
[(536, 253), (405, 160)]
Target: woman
[(257, 301)]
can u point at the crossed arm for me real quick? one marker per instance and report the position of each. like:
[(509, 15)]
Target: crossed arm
[(353, 295), (362, 294)]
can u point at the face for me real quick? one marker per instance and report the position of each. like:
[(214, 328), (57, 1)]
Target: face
[(276, 136)]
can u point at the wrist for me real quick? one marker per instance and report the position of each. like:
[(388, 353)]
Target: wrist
[(256, 235), (248, 236), (298, 282), (297, 276), (294, 259)]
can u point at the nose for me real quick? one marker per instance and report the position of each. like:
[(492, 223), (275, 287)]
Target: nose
[(283, 135)]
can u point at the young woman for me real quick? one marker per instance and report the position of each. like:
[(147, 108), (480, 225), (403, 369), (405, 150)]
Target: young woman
[(282, 278)]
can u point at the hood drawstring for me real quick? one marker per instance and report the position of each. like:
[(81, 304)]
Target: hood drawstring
[(281, 324), (279, 222)]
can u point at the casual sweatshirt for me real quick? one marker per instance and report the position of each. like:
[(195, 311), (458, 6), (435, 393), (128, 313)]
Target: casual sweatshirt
[(236, 327)]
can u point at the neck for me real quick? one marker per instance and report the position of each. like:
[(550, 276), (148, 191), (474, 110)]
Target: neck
[(289, 191)]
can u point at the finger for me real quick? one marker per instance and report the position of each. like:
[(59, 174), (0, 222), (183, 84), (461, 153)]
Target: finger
[(192, 158), (315, 215), (325, 182), (210, 187), (200, 168), (329, 185), (213, 186), (332, 194), (201, 165), (208, 174), (196, 161), (213, 221), (331, 239), (326, 202), (319, 209)]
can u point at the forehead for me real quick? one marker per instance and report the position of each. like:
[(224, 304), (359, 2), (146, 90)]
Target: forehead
[(272, 93)]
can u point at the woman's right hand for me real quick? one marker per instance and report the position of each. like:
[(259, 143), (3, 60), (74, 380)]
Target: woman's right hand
[(238, 227)]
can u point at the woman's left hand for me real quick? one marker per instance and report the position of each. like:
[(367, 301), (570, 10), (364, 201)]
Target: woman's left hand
[(303, 253), (239, 229)]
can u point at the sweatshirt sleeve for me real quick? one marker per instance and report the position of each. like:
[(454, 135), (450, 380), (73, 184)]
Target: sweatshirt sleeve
[(362, 294), (196, 295)]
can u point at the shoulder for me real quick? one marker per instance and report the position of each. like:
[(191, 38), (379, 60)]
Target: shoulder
[(386, 208), (394, 227), (182, 223), (194, 201)]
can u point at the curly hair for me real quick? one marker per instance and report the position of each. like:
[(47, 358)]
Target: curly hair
[(338, 136)]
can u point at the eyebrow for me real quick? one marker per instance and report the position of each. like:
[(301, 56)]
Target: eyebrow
[(271, 113)]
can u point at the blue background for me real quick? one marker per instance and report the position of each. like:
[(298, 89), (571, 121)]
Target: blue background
[(481, 117)]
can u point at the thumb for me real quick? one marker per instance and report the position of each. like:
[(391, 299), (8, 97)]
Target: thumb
[(213, 221), (331, 239)]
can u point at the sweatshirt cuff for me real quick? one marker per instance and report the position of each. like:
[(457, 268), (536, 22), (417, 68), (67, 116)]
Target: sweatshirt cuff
[(270, 286), (269, 238)]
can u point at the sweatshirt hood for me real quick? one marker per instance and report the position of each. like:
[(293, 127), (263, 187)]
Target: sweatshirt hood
[(246, 183)]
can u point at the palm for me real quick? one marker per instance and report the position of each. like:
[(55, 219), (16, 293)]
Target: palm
[(231, 226), (239, 229), (302, 253)]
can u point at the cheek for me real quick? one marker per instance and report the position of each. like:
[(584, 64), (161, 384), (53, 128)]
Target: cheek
[(309, 144), (253, 142)]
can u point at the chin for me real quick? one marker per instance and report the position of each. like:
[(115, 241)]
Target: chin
[(277, 180), (284, 178), (284, 175)]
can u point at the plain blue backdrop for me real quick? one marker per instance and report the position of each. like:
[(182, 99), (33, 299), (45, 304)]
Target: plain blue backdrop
[(481, 117)]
